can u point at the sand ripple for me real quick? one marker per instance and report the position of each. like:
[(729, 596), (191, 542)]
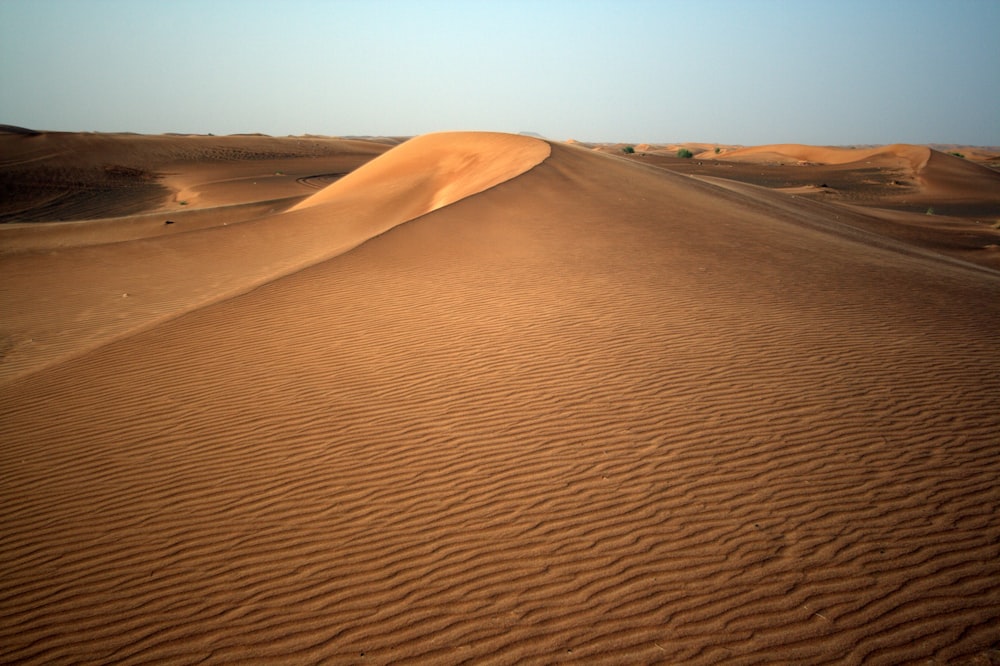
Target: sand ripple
[(597, 412)]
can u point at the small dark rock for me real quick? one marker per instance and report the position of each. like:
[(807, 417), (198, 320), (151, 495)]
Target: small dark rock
[(168, 222)]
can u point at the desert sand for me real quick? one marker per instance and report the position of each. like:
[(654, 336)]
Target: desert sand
[(485, 398)]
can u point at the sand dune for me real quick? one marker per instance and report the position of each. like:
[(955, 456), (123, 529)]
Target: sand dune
[(942, 174), (434, 170), (892, 182), (580, 409), (84, 296), (915, 156), (952, 177)]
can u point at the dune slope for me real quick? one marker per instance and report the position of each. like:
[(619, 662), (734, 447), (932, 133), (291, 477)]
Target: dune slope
[(597, 412), (61, 303)]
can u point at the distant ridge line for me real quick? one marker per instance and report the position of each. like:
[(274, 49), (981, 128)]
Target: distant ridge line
[(14, 129)]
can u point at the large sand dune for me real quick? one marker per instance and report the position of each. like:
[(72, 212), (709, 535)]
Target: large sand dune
[(90, 292), (493, 400)]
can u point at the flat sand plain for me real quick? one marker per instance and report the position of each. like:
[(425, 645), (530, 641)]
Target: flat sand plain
[(485, 398)]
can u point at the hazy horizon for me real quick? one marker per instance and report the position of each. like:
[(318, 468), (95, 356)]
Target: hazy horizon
[(637, 71)]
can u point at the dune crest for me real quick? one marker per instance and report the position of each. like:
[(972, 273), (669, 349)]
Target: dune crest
[(602, 412), (915, 156), (102, 292), (947, 181), (434, 170)]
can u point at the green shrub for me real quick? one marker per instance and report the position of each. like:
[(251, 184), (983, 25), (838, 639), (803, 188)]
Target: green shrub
[(628, 150), (685, 153), (718, 150), (958, 155)]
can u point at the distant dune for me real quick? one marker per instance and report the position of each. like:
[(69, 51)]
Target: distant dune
[(957, 198), (51, 176), (945, 176), (14, 129), (915, 156), (486, 398)]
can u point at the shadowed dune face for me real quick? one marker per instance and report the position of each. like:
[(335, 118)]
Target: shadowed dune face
[(596, 411)]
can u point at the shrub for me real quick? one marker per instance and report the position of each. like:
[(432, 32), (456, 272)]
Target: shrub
[(685, 153), (718, 150), (628, 150), (958, 155)]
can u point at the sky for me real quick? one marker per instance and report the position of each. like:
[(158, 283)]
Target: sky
[(833, 72)]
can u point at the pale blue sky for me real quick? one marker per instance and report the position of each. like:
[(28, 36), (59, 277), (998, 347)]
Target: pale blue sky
[(727, 71)]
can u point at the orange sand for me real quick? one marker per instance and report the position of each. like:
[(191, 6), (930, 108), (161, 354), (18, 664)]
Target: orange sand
[(581, 408)]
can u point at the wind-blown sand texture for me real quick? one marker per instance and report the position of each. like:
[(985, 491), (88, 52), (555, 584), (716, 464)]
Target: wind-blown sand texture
[(550, 406)]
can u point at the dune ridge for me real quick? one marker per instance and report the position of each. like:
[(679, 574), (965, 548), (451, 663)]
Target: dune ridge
[(597, 412), (941, 175), (916, 156), (97, 293), (434, 170)]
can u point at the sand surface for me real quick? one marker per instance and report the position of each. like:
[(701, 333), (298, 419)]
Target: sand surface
[(489, 399)]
